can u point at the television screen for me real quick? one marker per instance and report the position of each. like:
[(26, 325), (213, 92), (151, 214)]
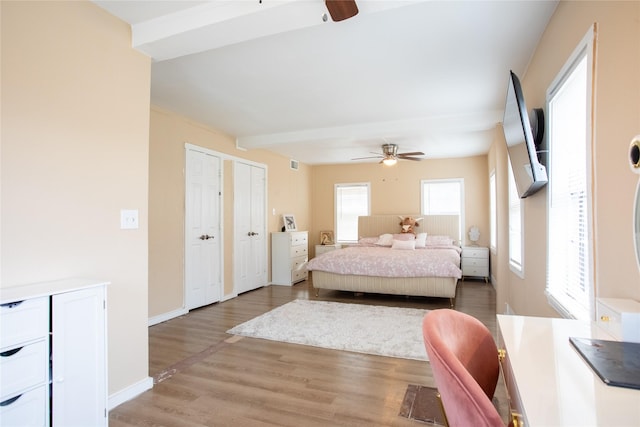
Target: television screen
[(529, 174)]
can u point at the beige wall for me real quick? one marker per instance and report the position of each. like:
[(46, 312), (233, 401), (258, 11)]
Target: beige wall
[(75, 120), (396, 189), (288, 191), (617, 120)]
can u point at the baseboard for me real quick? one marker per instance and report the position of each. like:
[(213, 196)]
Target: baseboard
[(130, 392), (167, 316), (228, 297)]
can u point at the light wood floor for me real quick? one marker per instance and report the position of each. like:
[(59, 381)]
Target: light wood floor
[(209, 378)]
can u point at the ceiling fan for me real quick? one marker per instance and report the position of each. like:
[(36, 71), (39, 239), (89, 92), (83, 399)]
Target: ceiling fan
[(390, 155)]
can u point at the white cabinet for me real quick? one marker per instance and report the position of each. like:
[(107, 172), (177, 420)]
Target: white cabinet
[(475, 262), (289, 255), (53, 354), (323, 249)]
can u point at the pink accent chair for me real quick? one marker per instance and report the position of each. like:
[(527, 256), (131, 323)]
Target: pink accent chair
[(464, 360)]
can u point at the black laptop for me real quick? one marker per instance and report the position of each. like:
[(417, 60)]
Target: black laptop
[(617, 363)]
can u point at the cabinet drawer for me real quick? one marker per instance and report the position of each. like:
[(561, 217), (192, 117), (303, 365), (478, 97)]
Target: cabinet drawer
[(298, 275), (298, 251), (619, 317), (23, 321), (28, 409), (23, 368), (474, 262), (298, 239), (475, 252), (476, 271), (298, 262)]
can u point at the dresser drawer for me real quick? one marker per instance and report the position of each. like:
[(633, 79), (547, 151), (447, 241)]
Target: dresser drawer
[(468, 252), (23, 321), (28, 409), (474, 262), (298, 275), (298, 263), (298, 239), (23, 368), (298, 251), (475, 271)]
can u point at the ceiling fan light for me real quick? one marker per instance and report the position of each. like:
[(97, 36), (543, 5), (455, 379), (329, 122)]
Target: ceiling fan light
[(389, 161)]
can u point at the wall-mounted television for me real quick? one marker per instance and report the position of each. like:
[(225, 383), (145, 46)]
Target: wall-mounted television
[(530, 175)]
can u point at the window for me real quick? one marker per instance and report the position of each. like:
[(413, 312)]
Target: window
[(493, 216), (443, 197), (569, 237), (515, 227), (352, 201)]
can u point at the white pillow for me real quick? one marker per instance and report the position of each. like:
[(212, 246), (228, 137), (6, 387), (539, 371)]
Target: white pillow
[(404, 244), (421, 240), (385, 240)]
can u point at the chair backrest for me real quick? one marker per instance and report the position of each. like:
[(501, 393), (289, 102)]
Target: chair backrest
[(464, 360)]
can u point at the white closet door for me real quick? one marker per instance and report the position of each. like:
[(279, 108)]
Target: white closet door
[(79, 380), (203, 272), (250, 229)]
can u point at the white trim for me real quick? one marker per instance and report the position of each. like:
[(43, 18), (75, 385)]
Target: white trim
[(586, 49), (335, 204), (493, 219), (129, 392), (167, 316), (462, 231)]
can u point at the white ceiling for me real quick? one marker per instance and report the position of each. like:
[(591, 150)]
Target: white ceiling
[(430, 76)]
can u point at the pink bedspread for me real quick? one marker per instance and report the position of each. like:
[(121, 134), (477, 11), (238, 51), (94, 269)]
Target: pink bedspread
[(387, 262)]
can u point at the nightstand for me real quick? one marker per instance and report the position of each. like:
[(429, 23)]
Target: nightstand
[(321, 249), (475, 262)]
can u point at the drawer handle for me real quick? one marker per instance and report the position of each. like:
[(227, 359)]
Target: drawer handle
[(604, 318), (10, 353), (11, 304), (10, 401), (502, 354)]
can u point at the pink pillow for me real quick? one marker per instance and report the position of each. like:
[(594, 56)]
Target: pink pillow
[(404, 236), (439, 241), (385, 240)]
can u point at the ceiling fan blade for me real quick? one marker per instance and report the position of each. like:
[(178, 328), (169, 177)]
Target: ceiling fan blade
[(341, 9), (414, 153), (370, 157), (415, 159)]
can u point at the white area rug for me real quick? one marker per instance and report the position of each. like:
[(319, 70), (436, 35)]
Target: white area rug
[(384, 331)]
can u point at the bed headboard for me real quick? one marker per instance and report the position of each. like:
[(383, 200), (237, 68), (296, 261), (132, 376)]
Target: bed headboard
[(375, 225)]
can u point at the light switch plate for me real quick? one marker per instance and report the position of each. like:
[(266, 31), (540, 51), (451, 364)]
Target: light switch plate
[(128, 219)]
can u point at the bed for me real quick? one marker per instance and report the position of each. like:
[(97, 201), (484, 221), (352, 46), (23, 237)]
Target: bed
[(432, 271)]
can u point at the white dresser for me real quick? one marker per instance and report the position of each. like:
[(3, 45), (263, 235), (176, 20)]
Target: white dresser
[(53, 354), (475, 262), (289, 255)]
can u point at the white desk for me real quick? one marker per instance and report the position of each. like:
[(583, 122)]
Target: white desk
[(548, 382)]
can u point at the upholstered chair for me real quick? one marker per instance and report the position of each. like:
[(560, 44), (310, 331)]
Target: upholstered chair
[(464, 360)]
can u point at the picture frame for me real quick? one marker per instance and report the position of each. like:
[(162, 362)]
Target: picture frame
[(289, 222), (326, 238)]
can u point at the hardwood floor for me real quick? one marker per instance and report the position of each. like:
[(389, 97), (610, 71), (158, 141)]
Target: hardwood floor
[(205, 377)]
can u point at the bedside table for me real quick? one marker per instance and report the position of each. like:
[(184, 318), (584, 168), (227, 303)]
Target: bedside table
[(475, 262), (321, 249)]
